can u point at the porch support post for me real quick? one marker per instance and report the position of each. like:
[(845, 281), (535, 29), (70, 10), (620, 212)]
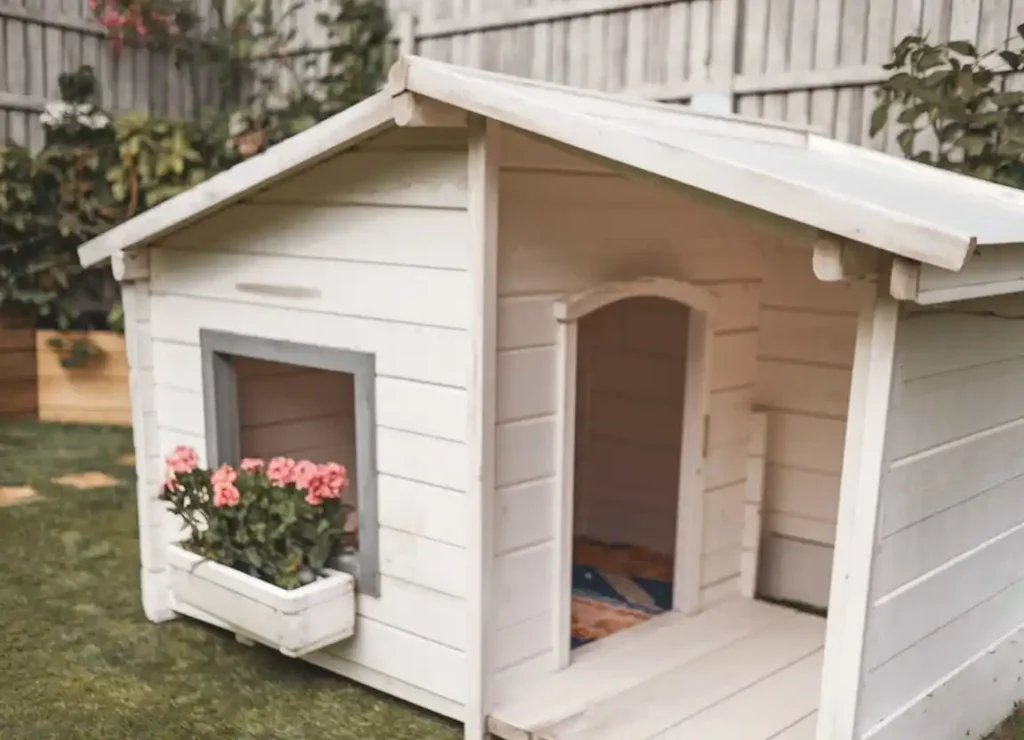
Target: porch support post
[(863, 463), (483, 163), (132, 269)]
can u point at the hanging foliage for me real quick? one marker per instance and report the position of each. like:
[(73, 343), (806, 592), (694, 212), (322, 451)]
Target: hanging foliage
[(952, 110)]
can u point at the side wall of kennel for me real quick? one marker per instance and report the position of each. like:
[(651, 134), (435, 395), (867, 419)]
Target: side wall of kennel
[(365, 252)]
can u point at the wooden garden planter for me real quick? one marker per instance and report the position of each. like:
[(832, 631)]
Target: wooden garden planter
[(94, 393), (294, 622), (18, 376)]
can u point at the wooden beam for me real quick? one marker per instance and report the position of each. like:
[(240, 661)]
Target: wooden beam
[(904, 279), (483, 172), (544, 13), (130, 265), (411, 110), (836, 259), (989, 271), (859, 492), (52, 19)]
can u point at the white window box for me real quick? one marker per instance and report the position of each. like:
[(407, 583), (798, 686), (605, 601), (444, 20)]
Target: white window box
[(295, 622)]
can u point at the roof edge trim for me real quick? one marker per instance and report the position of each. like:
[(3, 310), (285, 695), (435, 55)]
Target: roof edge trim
[(861, 222)]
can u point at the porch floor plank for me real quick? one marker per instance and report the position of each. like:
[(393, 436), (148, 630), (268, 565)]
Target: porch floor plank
[(718, 674)]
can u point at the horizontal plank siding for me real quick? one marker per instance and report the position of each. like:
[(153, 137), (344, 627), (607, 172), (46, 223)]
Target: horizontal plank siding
[(356, 254), (805, 356), (947, 599), (567, 225)]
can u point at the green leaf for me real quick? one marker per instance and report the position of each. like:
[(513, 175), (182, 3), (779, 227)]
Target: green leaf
[(1012, 59), (964, 48), (879, 118), (905, 140)]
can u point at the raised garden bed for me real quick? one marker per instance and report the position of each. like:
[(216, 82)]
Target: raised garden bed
[(68, 377)]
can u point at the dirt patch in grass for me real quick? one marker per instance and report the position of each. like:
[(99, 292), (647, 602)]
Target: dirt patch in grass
[(80, 659), (11, 495), (86, 481)]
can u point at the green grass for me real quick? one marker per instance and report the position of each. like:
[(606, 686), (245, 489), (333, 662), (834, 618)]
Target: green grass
[(80, 661)]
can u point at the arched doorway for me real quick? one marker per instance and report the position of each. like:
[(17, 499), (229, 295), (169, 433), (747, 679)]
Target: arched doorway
[(633, 391)]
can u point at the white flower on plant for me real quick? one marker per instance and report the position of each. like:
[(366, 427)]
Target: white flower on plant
[(237, 125), (277, 101)]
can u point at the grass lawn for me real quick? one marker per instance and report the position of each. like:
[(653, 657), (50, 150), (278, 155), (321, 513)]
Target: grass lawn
[(81, 661)]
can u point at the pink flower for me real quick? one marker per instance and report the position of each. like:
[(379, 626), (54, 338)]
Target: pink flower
[(312, 499), (304, 473), (280, 470), (172, 484), (225, 494), (183, 460), (225, 475), (251, 464), (334, 478)]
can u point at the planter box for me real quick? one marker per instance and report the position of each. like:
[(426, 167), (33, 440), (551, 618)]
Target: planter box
[(95, 393), (294, 622), (19, 399)]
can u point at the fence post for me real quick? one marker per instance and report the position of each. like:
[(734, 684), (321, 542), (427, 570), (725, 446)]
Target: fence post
[(725, 52), (405, 30)]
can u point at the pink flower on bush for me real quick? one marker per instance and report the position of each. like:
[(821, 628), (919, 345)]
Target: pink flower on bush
[(183, 460), (328, 483), (251, 464), (172, 484), (224, 475), (335, 479), (225, 494), (280, 470), (304, 473)]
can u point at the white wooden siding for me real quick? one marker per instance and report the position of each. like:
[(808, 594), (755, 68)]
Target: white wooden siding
[(805, 356), (629, 411), (947, 601), (365, 252), (565, 226)]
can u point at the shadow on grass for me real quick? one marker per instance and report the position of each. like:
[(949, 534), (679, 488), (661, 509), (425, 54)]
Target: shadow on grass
[(80, 659)]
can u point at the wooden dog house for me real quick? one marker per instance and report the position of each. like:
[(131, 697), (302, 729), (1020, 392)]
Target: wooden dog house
[(710, 377)]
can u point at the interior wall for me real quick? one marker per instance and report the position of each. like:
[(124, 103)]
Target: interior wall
[(631, 372), (370, 247), (944, 646), (566, 224), (805, 356), (298, 412)]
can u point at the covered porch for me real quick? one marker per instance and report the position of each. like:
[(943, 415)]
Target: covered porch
[(742, 670)]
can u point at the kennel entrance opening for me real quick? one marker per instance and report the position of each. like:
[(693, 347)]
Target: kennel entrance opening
[(633, 372)]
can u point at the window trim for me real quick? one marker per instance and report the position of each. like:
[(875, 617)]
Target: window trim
[(223, 444)]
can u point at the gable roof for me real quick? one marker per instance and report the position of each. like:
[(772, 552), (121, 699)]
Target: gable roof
[(893, 204)]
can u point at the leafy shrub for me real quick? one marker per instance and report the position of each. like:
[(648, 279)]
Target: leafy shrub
[(280, 521), (952, 110), (94, 172)]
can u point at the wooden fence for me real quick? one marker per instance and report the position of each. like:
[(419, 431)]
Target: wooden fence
[(804, 61)]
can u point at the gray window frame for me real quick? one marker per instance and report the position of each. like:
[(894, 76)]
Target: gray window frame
[(223, 444)]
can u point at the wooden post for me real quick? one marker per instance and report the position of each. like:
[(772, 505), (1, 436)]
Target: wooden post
[(483, 164), (18, 370), (859, 491)]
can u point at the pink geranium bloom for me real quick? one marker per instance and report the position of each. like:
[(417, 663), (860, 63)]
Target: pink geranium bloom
[(251, 464), (303, 474), (334, 478), (183, 460), (172, 484), (312, 498), (280, 470), (224, 475), (225, 494)]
